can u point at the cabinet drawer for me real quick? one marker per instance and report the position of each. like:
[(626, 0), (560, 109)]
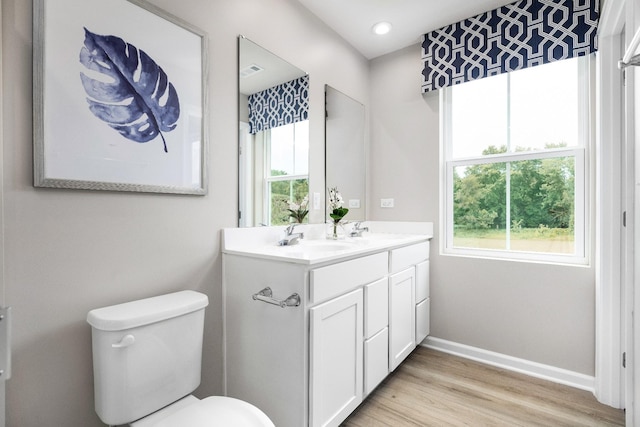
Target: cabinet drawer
[(376, 360), (337, 279), (376, 307), (422, 320), (408, 256), (422, 281)]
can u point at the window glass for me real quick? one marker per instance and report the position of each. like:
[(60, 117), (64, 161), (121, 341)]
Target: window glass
[(478, 116), (290, 149), (507, 110), (301, 153), (541, 206), (544, 106), (280, 193)]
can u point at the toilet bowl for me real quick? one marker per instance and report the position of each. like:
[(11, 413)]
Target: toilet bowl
[(147, 357), (209, 412)]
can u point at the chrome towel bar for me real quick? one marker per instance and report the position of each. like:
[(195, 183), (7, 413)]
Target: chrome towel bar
[(266, 295)]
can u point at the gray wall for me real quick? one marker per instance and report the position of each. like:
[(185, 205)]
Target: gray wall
[(539, 312), (68, 252)]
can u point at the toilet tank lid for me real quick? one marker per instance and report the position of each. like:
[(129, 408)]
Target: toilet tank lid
[(146, 311)]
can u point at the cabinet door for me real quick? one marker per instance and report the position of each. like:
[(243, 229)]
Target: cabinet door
[(336, 359), (402, 339)]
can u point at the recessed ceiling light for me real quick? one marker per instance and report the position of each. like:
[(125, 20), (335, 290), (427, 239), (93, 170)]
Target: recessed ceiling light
[(381, 28)]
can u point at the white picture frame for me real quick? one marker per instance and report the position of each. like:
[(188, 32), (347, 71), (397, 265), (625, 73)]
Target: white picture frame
[(119, 98)]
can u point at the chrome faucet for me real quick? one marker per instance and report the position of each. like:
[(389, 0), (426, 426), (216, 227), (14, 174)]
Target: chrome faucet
[(357, 231), (290, 238)]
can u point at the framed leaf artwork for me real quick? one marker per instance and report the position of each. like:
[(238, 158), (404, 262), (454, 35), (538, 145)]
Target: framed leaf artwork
[(119, 98)]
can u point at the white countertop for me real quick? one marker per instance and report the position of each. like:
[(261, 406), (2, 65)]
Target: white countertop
[(262, 242)]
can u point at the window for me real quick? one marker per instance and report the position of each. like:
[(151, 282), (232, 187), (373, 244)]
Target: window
[(287, 171), (515, 164)]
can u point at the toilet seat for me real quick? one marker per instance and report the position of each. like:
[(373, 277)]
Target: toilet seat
[(214, 411)]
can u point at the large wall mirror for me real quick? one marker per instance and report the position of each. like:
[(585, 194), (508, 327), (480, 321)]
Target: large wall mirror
[(273, 136), (345, 153)]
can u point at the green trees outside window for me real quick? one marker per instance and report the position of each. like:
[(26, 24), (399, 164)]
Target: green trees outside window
[(282, 192), (540, 200)]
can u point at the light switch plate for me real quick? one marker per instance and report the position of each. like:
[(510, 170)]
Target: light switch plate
[(354, 203)]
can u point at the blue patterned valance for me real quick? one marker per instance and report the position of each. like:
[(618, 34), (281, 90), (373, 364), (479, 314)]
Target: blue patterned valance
[(512, 37), (280, 105)]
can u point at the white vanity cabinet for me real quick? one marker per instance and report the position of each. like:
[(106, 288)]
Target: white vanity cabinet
[(311, 365)]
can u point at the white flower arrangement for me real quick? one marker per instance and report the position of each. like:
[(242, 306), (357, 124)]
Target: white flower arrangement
[(336, 211), (299, 211)]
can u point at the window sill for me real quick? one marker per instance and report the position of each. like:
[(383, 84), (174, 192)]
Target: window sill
[(527, 257)]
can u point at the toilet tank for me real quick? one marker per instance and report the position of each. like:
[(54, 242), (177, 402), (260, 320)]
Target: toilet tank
[(146, 354)]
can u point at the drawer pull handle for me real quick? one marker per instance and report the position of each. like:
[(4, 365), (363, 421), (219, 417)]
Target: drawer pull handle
[(266, 295)]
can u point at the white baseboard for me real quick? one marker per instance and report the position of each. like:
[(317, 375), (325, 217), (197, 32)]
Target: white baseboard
[(527, 367)]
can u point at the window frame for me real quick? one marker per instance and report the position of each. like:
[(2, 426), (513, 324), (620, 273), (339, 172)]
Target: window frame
[(582, 190)]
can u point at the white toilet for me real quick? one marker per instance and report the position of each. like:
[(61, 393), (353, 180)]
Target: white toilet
[(147, 358)]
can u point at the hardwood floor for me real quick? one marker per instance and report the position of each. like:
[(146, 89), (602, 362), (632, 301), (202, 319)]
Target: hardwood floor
[(432, 388)]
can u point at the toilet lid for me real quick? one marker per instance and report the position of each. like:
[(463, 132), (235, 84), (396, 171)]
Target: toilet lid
[(217, 411)]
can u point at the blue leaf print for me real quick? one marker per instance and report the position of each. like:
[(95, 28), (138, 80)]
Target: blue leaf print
[(131, 93)]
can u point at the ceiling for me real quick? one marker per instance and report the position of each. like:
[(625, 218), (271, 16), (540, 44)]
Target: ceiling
[(353, 19)]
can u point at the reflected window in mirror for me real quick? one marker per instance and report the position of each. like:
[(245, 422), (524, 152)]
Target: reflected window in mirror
[(288, 169), (273, 137), (276, 161)]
